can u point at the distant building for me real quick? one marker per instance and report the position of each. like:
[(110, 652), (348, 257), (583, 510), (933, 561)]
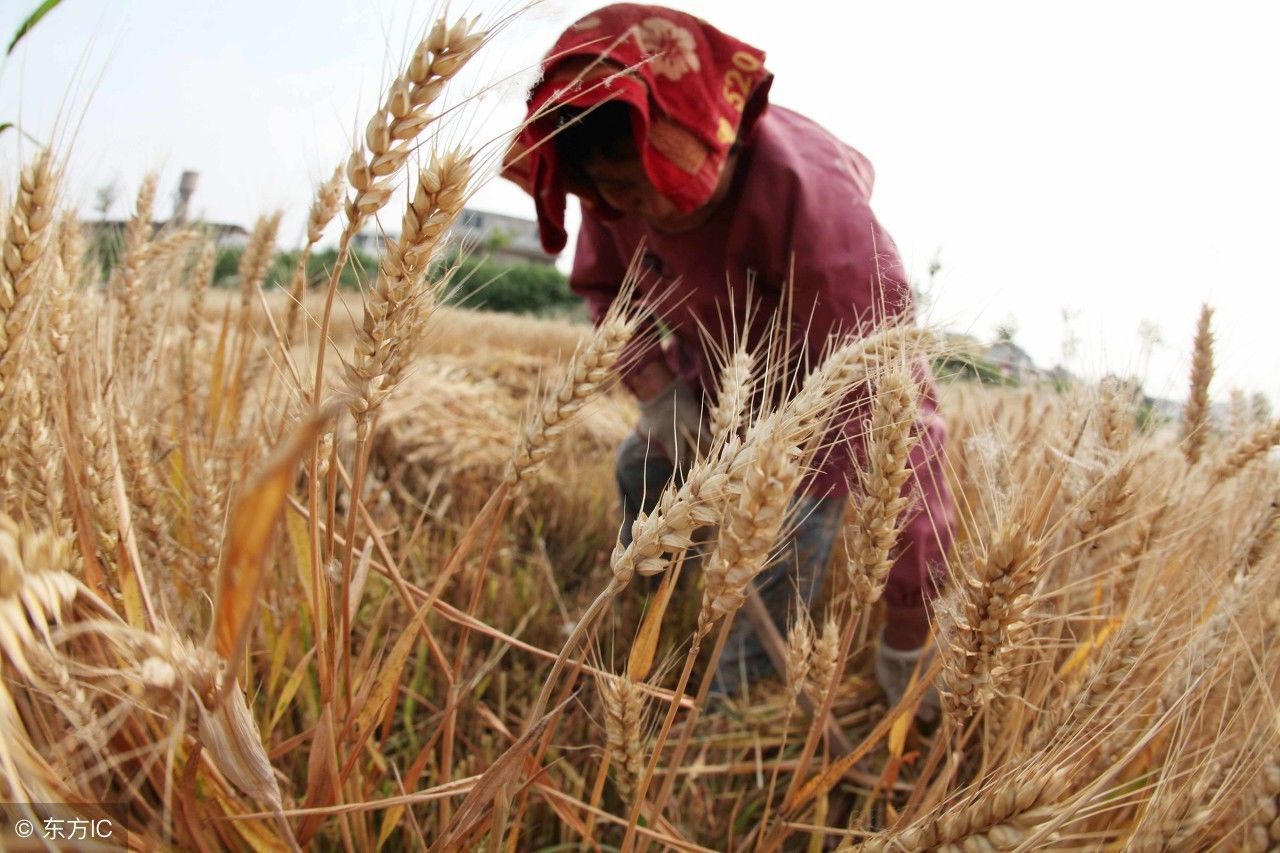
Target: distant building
[(507, 240), (225, 235), (372, 242), (501, 238), (1011, 360)]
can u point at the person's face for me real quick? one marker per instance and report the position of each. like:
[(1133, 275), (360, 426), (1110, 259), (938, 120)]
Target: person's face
[(624, 186)]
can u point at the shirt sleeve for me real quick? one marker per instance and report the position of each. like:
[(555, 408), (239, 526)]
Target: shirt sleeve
[(598, 274)]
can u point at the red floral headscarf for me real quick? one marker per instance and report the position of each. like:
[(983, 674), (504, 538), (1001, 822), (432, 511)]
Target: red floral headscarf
[(692, 92)]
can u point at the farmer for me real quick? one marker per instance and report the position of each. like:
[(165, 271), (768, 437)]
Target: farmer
[(660, 124)]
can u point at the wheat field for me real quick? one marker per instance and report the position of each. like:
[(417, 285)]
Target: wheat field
[(257, 592)]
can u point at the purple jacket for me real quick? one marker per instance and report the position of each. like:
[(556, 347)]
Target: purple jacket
[(796, 226)]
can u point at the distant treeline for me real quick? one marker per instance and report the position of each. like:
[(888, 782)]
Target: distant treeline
[(474, 281)]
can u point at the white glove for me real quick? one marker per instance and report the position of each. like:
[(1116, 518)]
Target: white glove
[(893, 672), (672, 420)]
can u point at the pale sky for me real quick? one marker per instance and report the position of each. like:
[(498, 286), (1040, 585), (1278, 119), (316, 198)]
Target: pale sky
[(1114, 160)]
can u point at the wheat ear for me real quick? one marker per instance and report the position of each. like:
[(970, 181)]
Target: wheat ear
[(1265, 535), (98, 471), (1100, 685), (877, 516), (669, 529), (1111, 497), (735, 391), (1262, 833), (256, 258), (389, 135), (324, 207), (624, 704), (800, 648), (126, 279), (1251, 447), (71, 248), (981, 619), (201, 278), (392, 310), (61, 305), (849, 365), (146, 490), (589, 372), (388, 142), (25, 239), (1196, 415), (35, 587), (750, 530), (998, 819), (38, 460), (823, 659)]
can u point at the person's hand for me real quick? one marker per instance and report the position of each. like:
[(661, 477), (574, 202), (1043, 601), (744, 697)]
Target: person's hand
[(672, 420)]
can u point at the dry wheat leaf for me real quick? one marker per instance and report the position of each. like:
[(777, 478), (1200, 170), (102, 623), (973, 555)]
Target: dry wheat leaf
[(254, 519)]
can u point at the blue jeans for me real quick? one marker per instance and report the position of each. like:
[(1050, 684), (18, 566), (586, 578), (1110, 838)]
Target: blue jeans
[(799, 563)]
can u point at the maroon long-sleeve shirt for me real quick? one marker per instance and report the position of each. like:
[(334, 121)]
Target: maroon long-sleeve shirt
[(795, 233)]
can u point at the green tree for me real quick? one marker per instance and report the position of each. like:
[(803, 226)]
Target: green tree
[(518, 289)]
